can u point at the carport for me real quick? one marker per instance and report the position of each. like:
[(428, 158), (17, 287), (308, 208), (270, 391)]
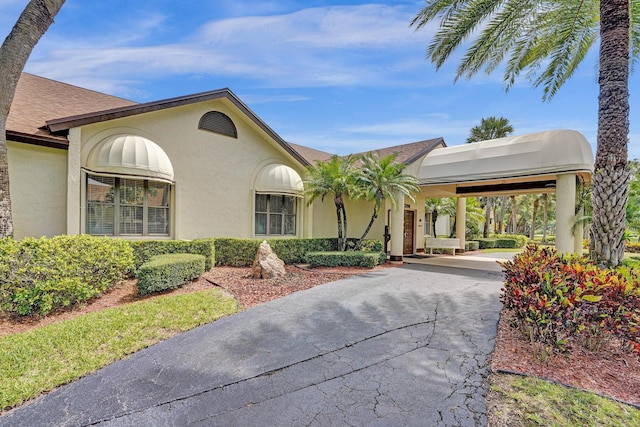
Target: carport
[(551, 161)]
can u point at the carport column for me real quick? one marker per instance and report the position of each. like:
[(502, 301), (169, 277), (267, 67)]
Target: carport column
[(565, 212), (397, 229), (461, 220)]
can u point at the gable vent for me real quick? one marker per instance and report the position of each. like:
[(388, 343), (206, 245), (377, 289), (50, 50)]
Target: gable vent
[(215, 121)]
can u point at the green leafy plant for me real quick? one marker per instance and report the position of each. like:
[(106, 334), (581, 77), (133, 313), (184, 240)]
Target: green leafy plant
[(47, 274), (346, 259), (557, 300), (169, 271)]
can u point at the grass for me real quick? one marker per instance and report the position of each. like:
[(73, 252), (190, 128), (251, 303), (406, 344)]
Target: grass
[(39, 360), (494, 250), (521, 401)]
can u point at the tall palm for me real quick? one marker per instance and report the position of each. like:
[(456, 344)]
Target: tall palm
[(490, 128), (335, 177), (549, 39), (381, 179), (15, 50)]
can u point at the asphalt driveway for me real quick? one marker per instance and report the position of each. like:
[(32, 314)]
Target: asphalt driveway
[(405, 346)]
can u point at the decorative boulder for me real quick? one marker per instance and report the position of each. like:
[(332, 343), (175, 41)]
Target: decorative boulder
[(267, 265)]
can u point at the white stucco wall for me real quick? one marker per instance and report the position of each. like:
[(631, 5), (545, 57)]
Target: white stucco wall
[(325, 223), (214, 174), (38, 180)]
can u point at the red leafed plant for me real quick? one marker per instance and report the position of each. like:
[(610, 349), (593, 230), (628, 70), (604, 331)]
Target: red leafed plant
[(567, 300)]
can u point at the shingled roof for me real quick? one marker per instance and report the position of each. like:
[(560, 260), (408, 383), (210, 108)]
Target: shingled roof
[(38, 99), (43, 110)]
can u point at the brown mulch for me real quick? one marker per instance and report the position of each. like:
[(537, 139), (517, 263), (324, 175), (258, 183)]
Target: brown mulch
[(610, 372), (236, 280)]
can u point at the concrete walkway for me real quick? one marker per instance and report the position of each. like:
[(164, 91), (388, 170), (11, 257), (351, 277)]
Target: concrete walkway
[(404, 346)]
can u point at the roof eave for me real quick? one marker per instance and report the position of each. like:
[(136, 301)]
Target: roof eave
[(42, 141)]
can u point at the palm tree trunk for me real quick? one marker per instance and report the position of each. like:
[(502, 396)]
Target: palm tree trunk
[(545, 217), (374, 216), (31, 25), (487, 217), (338, 203), (532, 233), (346, 236), (611, 180), (503, 209), (512, 217)]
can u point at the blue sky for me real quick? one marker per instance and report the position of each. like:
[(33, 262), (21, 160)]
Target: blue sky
[(338, 76)]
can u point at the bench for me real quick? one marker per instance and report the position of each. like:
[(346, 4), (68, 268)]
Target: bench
[(441, 243)]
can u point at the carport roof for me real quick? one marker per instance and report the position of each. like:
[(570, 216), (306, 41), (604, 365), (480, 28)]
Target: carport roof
[(514, 158)]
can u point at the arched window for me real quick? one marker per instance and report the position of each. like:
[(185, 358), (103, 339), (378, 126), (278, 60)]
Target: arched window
[(217, 122)]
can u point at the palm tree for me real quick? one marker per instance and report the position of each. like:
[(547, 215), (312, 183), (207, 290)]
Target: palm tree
[(489, 128), (31, 25), (333, 177), (549, 39), (379, 179)]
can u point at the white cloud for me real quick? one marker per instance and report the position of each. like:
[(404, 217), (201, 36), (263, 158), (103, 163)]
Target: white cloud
[(329, 46)]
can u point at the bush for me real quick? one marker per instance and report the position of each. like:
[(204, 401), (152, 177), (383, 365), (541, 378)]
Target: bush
[(169, 271), (559, 299), (507, 243), (471, 245), (47, 274), (346, 259), (521, 239), (241, 252), (144, 250), (486, 243)]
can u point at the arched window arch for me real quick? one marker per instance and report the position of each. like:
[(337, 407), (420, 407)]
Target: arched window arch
[(217, 122)]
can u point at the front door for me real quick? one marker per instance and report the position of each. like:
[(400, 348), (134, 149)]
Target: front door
[(409, 224)]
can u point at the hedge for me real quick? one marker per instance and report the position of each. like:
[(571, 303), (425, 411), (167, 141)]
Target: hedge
[(346, 259), (38, 276), (471, 245), (241, 252), (505, 242), (144, 250), (169, 271)]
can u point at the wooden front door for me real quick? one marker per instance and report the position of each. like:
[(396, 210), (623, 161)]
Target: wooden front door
[(409, 224)]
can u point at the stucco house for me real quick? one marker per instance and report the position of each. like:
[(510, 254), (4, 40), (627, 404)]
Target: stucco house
[(201, 165), (205, 165)]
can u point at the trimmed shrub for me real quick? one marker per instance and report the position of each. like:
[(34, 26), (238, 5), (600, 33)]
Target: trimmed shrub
[(521, 239), (486, 243), (241, 252), (38, 276), (169, 271), (471, 245), (144, 250), (507, 243), (346, 259), (559, 299)]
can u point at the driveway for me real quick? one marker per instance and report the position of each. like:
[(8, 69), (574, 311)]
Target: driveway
[(405, 346)]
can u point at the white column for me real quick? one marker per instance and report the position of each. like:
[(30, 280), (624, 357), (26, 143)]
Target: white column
[(397, 229), (461, 220), (74, 182), (565, 212)]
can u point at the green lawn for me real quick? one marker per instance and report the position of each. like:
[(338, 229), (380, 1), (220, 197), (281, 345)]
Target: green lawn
[(39, 360), (521, 401)]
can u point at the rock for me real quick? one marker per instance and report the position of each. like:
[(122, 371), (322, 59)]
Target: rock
[(267, 265)]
